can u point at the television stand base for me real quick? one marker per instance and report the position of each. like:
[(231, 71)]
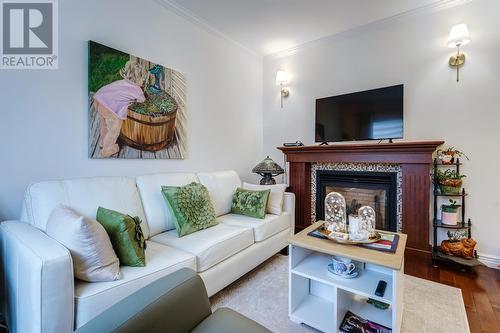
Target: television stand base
[(324, 143)]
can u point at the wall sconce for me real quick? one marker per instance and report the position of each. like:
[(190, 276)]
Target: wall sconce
[(281, 79), (459, 36)]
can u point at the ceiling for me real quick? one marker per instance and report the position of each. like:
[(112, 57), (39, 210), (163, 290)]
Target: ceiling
[(270, 26)]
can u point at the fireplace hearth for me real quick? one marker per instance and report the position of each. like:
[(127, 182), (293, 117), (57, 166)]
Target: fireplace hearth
[(360, 188)]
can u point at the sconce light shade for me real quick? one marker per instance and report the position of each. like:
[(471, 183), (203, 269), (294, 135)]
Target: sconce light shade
[(281, 77), (459, 36)]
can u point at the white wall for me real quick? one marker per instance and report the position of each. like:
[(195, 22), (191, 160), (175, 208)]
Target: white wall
[(43, 124), (410, 50)]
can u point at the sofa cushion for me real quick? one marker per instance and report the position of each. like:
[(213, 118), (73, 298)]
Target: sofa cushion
[(262, 228), (126, 235), (250, 203), (275, 201), (191, 206), (93, 298), (84, 195), (159, 217), (210, 246), (221, 186), (91, 251)]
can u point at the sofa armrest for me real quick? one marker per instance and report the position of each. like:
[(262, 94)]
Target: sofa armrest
[(37, 280), (289, 206), (175, 303)]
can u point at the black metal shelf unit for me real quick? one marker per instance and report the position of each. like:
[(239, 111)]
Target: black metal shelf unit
[(437, 255)]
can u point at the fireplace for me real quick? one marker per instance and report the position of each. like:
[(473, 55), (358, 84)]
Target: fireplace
[(361, 188), (411, 160)]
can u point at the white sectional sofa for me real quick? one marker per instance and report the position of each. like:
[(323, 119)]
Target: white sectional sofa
[(41, 294)]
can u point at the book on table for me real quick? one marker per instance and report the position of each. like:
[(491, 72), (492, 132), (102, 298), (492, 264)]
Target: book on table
[(353, 323)]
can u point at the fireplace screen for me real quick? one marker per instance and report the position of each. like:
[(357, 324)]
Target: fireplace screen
[(374, 189), (357, 197)]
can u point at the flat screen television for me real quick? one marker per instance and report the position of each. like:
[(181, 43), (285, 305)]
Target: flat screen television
[(367, 115)]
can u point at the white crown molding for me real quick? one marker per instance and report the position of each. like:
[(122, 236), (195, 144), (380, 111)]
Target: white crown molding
[(193, 18), (426, 9), (489, 260)]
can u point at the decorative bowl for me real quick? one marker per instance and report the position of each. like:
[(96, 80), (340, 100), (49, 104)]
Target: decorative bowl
[(339, 240)]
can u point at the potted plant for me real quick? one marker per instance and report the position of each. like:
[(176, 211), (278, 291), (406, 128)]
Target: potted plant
[(449, 213), (447, 156), (450, 182)]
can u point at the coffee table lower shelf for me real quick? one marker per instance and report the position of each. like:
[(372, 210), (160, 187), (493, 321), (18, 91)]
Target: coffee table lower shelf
[(321, 300), (314, 311)]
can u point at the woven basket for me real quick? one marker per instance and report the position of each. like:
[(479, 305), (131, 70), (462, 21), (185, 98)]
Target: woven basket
[(449, 189)]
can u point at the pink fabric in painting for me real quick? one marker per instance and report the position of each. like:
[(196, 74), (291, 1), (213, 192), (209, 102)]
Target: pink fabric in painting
[(118, 95)]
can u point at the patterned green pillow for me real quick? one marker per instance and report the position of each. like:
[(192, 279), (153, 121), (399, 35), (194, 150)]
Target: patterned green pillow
[(191, 207), (126, 236), (250, 203)]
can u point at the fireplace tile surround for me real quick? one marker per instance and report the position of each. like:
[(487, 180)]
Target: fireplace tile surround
[(363, 168)]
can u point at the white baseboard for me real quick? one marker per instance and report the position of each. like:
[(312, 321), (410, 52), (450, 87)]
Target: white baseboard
[(489, 260)]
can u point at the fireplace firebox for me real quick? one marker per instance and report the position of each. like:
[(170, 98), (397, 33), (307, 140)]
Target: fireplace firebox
[(361, 188)]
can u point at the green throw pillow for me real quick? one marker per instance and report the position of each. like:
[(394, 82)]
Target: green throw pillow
[(126, 236), (250, 203), (191, 207)]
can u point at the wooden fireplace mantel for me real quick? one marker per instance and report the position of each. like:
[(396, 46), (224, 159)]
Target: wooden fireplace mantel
[(415, 158)]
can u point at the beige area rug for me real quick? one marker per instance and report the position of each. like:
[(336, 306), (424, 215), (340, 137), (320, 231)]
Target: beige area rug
[(263, 296)]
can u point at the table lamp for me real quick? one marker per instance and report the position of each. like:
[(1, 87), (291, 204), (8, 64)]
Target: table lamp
[(268, 169)]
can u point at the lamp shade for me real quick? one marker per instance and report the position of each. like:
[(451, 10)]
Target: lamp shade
[(268, 166), (281, 77), (459, 35)]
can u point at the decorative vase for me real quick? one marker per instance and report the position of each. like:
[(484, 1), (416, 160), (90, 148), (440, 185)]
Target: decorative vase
[(450, 189), (449, 218), (450, 186), (446, 158)]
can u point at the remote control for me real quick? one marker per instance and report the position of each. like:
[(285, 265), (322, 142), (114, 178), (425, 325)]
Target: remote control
[(381, 288), (293, 144)]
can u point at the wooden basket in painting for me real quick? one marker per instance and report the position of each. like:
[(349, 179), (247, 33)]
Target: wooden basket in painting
[(150, 125)]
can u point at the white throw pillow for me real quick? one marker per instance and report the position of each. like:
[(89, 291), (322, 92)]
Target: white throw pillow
[(275, 201), (93, 256)]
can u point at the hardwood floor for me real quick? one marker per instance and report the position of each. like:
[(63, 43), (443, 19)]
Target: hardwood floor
[(480, 290)]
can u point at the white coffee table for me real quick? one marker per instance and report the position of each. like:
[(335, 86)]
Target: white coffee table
[(319, 299)]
